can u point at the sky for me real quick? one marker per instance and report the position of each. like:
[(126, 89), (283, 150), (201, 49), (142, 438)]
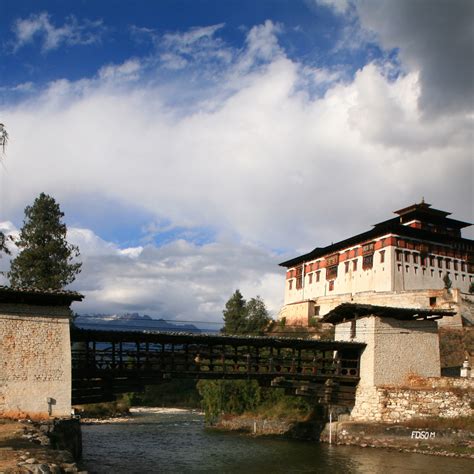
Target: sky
[(195, 144)]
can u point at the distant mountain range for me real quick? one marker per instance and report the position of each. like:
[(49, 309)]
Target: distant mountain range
[(130, 322)]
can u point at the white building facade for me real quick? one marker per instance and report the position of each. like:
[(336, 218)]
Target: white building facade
[(409, 255)]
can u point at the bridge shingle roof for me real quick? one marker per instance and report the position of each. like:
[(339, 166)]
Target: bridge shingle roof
[(348, 311)]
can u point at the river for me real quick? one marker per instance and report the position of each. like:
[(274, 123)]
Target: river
[(176, 441)]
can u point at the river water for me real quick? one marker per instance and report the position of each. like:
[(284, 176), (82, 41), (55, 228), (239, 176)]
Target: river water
[(176, 441)]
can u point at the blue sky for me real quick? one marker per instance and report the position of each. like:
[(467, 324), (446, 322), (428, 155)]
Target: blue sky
[(193, 145), (118, 29)]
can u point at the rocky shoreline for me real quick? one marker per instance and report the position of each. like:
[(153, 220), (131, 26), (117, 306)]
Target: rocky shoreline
[(440, 442), (31, 447)]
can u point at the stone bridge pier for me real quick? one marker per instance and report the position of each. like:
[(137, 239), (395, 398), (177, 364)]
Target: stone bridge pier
[(35, 352)]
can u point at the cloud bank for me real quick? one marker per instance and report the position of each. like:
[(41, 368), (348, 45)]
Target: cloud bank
[(235, 143)]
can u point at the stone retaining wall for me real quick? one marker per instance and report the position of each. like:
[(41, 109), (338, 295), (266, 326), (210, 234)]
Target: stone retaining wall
[(420, 398), (35, 355), (439, 441)]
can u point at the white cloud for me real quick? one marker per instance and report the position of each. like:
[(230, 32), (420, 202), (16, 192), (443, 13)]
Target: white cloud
[(434, 39), (72, 32), (257, 159), (340, 6), (128, 70), (179, 280), (196, 45)]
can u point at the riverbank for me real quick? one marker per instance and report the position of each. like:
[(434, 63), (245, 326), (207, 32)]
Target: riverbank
[(31, 447), (127, 417), (419, 438), (422, 438)]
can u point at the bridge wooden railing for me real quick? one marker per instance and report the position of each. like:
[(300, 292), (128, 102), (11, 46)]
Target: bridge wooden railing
[(109, 362)]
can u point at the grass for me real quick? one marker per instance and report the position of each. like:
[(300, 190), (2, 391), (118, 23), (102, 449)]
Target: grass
[(119, 407), (287, 409)]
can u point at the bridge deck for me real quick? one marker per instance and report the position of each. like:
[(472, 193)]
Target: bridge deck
[(110, 362)]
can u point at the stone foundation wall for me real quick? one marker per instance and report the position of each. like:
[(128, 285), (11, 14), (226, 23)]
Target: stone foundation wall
[(461, 303), (298, 314), (35, 361), (421, 398)]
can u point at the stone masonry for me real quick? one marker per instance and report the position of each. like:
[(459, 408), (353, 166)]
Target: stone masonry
[(431, 397), (35, 354)]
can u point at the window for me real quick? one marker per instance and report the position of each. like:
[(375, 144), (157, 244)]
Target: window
[(354, 265), (399, 255), (463, 267), (432, 300), (455, 265), (331, 272), (368, 248), (367, 261), (415, 258), (316, 310), (346, 265), (310, 278), (448, 264), (299, 277), (432, 261), (440, 262), (290, 285), (332, 260), (407, 257), (331, 285), (382, 256), (318, 275), (432, 273)]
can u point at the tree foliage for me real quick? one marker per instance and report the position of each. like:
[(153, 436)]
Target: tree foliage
[(3, 247), (46, 259), (235, 320), (239, 396), (245, 317), (447, 282), (257, 314), (228, 396)]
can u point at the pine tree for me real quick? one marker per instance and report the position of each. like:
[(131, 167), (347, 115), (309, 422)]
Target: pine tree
[(245, 317), (235, 314), (46, 259), (3, 247), (257, 316)]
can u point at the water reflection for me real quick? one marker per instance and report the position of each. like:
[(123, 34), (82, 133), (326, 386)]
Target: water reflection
[(178, 443)]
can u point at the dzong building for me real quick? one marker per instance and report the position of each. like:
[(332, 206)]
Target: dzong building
[(417, 259)]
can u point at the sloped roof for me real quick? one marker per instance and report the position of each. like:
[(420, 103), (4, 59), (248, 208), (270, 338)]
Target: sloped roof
[(349, 311), (36, 296), (391, 226)]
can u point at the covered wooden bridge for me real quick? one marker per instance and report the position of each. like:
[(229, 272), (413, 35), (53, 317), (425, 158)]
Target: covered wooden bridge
[(105, 363)]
